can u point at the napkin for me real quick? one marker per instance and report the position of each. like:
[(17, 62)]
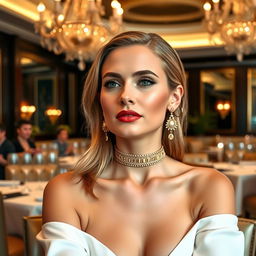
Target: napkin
[(9, 183)]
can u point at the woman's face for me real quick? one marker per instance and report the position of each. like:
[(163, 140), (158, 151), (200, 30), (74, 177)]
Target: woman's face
[(63, 135), (134, 93)]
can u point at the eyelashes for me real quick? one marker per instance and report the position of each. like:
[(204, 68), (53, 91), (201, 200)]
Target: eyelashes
[(141, 82), (111, 84), (146, 82)]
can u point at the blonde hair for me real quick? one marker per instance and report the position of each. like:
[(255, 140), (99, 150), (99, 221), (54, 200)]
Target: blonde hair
[(100, 152)]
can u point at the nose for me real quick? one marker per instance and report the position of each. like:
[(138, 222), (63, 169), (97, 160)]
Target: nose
[(127, 96)]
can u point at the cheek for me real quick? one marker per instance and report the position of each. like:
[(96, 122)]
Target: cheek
[(157, 102), (106, 105)]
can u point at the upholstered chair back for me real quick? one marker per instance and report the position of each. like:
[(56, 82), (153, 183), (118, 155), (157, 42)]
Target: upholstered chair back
[(32, 226), (3, 240), (247, 226)]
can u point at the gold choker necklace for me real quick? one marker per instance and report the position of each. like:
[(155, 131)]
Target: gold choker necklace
[(139, 160)]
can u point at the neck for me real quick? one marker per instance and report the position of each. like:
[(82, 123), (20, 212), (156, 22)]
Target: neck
[(139, 160), (139, 146), (20, 138)]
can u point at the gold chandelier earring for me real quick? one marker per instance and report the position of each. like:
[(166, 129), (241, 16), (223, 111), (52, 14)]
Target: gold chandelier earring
[(171, 125), (105, 130)]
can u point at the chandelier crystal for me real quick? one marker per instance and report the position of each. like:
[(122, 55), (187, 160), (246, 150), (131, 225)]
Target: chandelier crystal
[(234, 20), (76, 28)]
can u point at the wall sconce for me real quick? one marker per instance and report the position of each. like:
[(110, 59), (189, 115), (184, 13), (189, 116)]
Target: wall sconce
[(223, 108), (53, 114), (27, 111)]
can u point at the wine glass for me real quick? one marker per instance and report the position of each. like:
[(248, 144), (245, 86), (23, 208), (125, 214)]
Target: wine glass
[(230, 150), (39, 169), (25, 170), (240, 150), (220, 150)]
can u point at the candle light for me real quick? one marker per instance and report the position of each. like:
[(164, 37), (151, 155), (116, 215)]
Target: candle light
[(41, 10), (207, 8), (53, 114), (216, 5), (27, 111)]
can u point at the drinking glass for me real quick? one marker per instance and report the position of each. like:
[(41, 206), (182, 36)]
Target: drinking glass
[(220, 150), (25, 170), (230, 150), (39, 169), (240, 150), (13, 158)]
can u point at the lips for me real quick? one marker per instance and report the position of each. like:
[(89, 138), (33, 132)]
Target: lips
[(128, 116)]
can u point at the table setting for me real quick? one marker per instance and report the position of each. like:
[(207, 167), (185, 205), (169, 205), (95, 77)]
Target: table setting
[(21, 199)]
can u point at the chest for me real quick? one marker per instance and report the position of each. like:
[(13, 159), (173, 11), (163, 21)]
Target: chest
[(140, 224)]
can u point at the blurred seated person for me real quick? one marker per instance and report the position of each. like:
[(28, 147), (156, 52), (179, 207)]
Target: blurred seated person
[(64, 149), (23, 142), (6, 147)]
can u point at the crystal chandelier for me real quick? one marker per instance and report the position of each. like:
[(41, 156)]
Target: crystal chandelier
[(234, 21), (76, 28)]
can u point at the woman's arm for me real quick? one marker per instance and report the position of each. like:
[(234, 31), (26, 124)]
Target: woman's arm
[(61, 233), (218, 234), (59, 201)]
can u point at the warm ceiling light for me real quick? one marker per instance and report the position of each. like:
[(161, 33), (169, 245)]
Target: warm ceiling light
[(27, 111), (53, 114), (234, 21), (223, 108), (75, 28)]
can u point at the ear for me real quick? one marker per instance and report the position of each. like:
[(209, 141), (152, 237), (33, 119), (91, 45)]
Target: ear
[(175, 98)]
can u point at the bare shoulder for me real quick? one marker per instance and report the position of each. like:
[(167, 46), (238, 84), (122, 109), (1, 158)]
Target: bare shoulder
[(60, 197), (210, 177), (213, 192)]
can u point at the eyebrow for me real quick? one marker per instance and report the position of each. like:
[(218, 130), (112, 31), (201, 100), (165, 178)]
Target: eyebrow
[(138, 73)]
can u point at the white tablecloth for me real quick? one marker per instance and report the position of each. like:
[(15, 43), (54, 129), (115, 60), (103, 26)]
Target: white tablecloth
[(17, 207), (243, 178)]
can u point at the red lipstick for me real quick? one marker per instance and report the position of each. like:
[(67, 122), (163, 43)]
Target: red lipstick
[(128, 116)]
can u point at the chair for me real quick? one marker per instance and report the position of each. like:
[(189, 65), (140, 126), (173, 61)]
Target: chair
[(248, 227), (9, 245), (13, 172), (249, 156), (196, 146), (32, 226), (250, 206)]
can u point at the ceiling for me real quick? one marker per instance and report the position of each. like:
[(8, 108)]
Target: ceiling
[(180, 22)]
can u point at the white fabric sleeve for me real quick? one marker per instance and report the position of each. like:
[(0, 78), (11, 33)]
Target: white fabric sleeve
[(61, 239), (219, 238)]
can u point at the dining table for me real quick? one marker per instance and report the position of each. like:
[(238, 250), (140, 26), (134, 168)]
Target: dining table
[(21, 200), (25, 199), (243, 177)]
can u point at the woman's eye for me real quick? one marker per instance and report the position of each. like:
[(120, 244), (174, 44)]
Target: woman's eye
[(111, 84), (146, 82)]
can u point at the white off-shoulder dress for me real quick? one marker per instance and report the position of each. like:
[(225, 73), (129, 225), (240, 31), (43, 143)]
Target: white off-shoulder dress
[(216, 235)]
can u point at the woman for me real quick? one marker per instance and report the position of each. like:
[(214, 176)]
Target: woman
[(131, 195), (64, 149)]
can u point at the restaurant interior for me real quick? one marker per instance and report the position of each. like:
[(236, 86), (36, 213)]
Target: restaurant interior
[(43, 66)]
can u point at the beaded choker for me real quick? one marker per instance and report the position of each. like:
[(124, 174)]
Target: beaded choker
[(139, 160)]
